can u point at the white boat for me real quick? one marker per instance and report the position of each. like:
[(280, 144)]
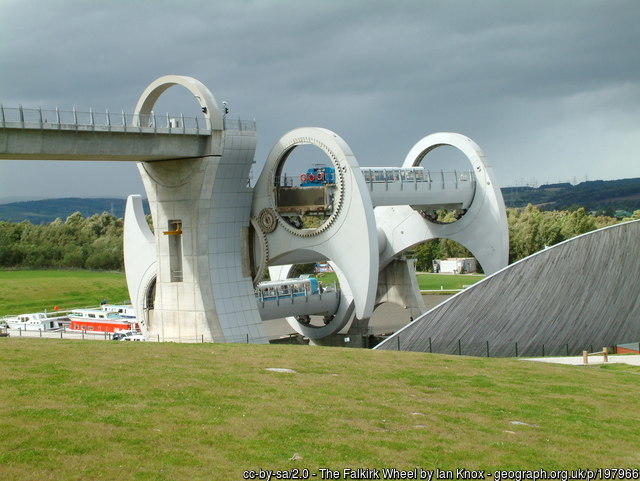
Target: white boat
[(38, 321), (125, 310)]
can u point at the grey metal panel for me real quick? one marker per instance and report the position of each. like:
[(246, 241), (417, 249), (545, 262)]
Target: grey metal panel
[(580, 294)]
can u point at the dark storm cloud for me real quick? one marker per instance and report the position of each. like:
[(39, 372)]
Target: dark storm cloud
[(548, 89)]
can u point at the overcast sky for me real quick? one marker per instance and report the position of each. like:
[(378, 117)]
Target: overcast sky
[(550, 89)]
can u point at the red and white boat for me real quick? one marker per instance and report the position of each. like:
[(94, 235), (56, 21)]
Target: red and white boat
[(98, 320)]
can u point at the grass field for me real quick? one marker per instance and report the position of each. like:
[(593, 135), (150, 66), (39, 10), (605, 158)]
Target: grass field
[(99, 410), (25, 291), (328, 278), (447, 282), (35, 291), (427, 281)]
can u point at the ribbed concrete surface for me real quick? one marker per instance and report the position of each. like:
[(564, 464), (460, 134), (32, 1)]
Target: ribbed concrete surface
[(581, 294)]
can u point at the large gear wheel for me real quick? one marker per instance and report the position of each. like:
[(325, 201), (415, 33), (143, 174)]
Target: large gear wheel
[(338, 197), (267, 220), (344, 206)]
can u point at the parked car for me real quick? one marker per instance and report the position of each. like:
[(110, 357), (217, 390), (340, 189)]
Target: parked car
[(127, 336)]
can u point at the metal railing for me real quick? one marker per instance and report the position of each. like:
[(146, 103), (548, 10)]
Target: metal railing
[(490, 348), (56, 119), (285, 181), (303, 292), (107, 336), (415, 175)]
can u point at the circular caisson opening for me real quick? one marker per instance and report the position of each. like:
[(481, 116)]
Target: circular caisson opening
[(308, 183), (444, 256), (448, 169)]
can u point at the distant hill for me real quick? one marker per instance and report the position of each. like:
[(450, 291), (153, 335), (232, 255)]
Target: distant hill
[(46, 211), (595, 195)]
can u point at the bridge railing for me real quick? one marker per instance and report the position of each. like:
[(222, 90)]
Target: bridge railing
[(56, 119), (285, 180), (291, 291), (415, 175)]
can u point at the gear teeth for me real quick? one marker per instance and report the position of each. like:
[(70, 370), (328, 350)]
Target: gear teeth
[(264, 248), (337, 205)]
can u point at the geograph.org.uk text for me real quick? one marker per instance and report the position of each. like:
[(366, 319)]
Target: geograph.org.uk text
[(437, 474)]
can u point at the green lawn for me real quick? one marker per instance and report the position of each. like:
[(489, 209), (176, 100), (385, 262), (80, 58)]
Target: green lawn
[(101, 410), (446, 282), (35, 291), (426, 281), (328, 278), (25, 291)]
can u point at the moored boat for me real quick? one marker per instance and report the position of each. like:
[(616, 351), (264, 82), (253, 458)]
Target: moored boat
[(37, 321), (99, 320), (125, 310)]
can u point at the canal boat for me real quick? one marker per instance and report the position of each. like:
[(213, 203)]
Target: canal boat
[(37, 321), (99, 320)]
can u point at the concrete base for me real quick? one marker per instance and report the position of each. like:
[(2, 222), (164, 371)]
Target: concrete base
[(397, 284)]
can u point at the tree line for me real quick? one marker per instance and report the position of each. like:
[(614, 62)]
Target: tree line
[(95, 242), (531, 229)]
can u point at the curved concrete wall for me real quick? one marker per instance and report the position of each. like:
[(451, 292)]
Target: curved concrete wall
[(580, 294)]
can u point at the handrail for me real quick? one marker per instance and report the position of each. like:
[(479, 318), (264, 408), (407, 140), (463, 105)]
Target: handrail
[(413, 175), (57, 119)]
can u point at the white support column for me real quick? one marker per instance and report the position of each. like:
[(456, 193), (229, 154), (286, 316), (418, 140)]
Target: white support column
[(200, 208)]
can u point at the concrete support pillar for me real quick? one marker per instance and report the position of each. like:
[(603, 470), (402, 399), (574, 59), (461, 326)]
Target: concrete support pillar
[(397, 283), (201, 208)]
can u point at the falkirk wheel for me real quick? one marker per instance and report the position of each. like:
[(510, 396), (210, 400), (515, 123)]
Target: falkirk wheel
[(199, 274)]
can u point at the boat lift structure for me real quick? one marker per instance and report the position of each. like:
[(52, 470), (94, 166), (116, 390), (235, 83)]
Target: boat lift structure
[(195, 276)]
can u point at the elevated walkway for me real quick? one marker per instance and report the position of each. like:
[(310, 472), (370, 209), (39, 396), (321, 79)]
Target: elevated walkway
[(37, 134), (419, 187), (195, 282)]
